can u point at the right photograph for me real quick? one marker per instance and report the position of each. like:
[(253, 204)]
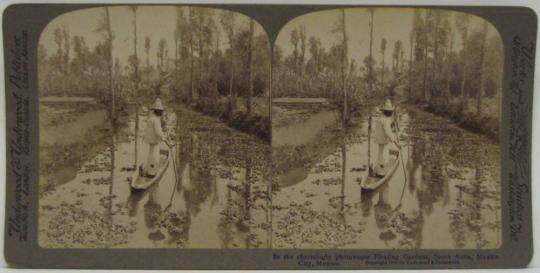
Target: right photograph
[(385, 130)]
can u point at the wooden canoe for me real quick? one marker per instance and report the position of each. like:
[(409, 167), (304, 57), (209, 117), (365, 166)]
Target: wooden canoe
[(142, 182), (369, 182)]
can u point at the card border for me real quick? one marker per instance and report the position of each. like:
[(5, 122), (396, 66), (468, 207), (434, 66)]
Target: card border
[(511, 22)]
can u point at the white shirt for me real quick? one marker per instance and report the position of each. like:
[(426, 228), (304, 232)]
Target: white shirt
[(383, 130), (153, 133)]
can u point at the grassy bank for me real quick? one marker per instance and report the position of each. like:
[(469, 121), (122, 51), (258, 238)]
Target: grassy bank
[(291, 162), (257, 123), (69, 136), (287, 114), (286, 158), (464, 115)]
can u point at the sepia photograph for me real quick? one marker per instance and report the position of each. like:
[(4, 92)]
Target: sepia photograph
[(385, 130), (187, 127), (154, 129)]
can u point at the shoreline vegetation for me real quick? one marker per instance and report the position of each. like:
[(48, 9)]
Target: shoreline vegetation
[(84, 134), (225, 80), (447, 63), (213, 61), (459, 113), (484, 124), (256, 123), (289, 158)]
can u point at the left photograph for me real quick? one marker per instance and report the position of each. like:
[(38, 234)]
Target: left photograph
[(154, 129)]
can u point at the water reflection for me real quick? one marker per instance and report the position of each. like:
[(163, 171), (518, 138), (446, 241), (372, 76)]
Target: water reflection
[(153, 215), (343, 177), (423, 205), (112, 149), (215, 172), (217, 194)]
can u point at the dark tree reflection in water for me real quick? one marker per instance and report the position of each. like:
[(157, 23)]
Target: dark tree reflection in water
[(449, 199), (218, 197), (221, 196)]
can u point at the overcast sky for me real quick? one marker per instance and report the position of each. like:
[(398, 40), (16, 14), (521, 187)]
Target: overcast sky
[(155, 22)]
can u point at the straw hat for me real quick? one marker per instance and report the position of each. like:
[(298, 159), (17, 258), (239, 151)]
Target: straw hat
[(387, 106), (157, 105)]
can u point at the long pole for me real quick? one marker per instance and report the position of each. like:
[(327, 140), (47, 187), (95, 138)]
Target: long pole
[(369, 145), (402, 162), (399, 146), (173, 153)]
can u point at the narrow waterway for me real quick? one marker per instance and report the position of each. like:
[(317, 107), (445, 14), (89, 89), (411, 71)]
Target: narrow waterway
[(445, 194), (215, 200), (303, 131), (215, 192)]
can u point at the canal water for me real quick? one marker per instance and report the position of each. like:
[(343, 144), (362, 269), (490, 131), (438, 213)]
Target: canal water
[(304, 130), (215, 199), (445, 194), (215, 192)]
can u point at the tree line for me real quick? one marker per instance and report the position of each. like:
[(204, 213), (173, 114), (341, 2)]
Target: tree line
[(201, 69), (197, 67), (435, 73)]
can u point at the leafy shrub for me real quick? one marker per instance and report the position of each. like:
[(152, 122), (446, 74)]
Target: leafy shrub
[(253, 123), (455, 111)]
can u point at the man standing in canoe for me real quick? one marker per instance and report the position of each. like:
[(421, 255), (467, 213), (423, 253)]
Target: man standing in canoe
[(153, 135), (383, 136)]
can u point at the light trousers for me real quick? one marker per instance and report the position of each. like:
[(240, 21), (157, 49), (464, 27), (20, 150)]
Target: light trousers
[(152, 159), (382, 158)]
